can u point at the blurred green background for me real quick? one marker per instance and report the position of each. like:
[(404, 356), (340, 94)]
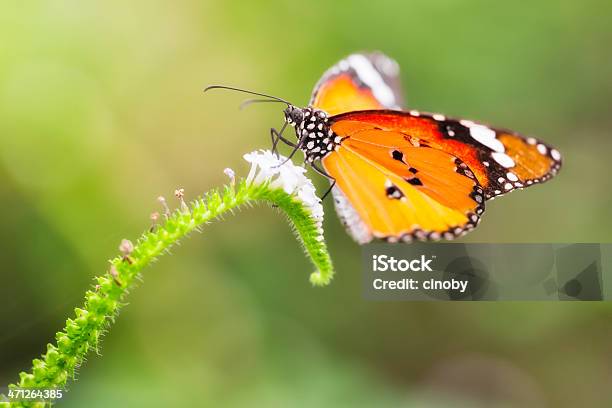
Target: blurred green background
[(101, 111)]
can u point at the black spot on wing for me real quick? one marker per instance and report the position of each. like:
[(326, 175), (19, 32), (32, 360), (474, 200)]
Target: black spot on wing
[(454, 129), (393, 192), (415, 181), (463, 169), (397, 155)]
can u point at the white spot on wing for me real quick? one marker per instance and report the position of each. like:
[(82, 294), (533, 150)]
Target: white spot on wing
[(542, 149), (503, 159), (368, 74), (555, 154), (487, 137)]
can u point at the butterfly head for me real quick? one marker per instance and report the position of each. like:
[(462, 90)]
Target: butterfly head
[(294, 115)]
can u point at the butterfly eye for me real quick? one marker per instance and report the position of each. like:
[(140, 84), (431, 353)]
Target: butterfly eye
[(297, 115)]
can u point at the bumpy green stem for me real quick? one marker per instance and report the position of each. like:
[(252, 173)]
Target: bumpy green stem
[(102, 303)]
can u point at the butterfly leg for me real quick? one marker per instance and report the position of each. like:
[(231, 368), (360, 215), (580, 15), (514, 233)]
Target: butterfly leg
[(322, 172), (277, 136), (274, 137), (296, 147)]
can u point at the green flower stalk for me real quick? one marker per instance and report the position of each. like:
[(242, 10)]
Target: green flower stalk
[(284, 186)]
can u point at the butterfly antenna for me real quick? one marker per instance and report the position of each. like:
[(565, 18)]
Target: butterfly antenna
[(252, 101), (276, 98)]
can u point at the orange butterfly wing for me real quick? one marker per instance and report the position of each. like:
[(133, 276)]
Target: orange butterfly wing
[(412, 175), (403, 193), (501, 160), (359, 82)]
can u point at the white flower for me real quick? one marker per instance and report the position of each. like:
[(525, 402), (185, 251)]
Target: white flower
[(230, 173), (282, 173)]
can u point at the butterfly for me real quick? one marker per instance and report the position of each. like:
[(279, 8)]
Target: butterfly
[(404, 175)]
